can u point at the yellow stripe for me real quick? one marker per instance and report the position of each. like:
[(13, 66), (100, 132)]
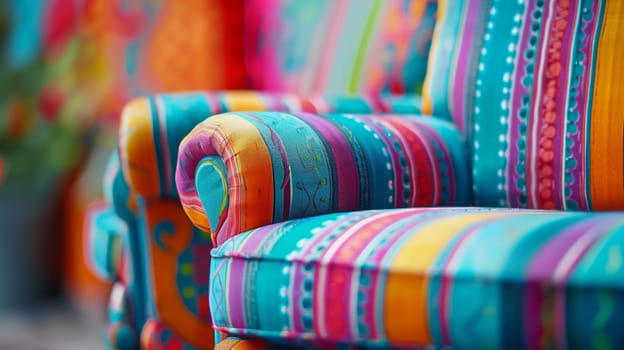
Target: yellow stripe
[(607, 117), (427, 104), (137, 152), (406, 299), (244, 101)]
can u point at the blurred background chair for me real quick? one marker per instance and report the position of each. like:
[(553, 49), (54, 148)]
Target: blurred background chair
[(68, 68)]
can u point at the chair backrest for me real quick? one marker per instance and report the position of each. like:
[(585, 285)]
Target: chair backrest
[(338, 46), (533, 86)]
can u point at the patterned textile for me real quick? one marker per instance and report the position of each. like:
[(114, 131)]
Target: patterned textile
[(239, 171), (161, 265), (175, 257), (339, 46), (467, 277), (533, 84), (152, 128)]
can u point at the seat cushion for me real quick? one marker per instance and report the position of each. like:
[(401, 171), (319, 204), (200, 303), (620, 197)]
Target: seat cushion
[(467, 277)]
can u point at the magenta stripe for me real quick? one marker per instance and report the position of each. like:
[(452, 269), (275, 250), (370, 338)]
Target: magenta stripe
[(540, 272), (308, 252), (369, 307), (213, 102), (466, 50), (546, 260), (254, 240), (518, 90), (235, 290), (347, 180)]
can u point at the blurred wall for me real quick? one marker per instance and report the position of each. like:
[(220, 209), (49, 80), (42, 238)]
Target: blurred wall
[(67, 67)]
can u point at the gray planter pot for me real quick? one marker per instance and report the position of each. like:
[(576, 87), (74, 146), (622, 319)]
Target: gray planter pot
[(30, 244)]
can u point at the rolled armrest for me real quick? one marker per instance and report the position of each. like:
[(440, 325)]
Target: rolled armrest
[(240, 171), (152, 127)]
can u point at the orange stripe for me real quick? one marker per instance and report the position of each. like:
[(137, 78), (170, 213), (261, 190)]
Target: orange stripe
[(251, 188), (607, 118), (406, 312), (136, 145)]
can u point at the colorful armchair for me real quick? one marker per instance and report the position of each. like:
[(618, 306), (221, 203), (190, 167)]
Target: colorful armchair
[(498, 222), (143, 241)]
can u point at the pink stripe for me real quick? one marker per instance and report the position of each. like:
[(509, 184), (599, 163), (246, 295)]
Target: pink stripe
[(542, 270), (339, 278), (236, 296), (517, 91), (213, 102), (466, 49)]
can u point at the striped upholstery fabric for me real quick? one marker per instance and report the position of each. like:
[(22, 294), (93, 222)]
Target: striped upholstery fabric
[(467, 277), (339, 46), (152, 127), (239, 171), (533, 84)]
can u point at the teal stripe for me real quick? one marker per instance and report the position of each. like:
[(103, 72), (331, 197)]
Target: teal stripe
[(372, 156), (310, 180), (590, 100)]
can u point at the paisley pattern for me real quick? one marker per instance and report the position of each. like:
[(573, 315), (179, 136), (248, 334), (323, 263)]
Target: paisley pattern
[(339, 46), (152, 128), (532, 85), (176, 262), (466, 277), (281, 166)]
